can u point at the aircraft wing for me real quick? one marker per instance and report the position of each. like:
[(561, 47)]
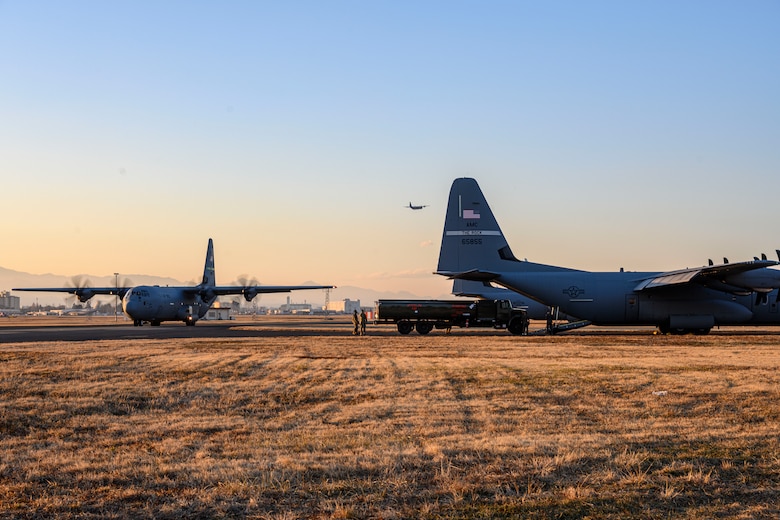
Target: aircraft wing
[(83, 293), (222, 290), (733, 277)]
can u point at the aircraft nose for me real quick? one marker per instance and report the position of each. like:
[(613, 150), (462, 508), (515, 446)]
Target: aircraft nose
[(130, 307)]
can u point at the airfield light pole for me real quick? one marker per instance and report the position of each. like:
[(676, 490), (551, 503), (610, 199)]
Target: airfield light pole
[(327, 300), (116, 295)]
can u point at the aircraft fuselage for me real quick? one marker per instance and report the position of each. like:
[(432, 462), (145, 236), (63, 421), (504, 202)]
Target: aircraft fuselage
[(156, 304), (609, 299)]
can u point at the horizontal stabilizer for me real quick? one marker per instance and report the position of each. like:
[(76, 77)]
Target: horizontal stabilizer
[(474, 275)]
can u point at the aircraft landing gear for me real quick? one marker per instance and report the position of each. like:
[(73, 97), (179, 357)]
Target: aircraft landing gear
[(665, 329)]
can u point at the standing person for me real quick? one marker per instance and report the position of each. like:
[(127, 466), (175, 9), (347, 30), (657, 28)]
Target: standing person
[(549, 317), (355, 322), (363, 319)]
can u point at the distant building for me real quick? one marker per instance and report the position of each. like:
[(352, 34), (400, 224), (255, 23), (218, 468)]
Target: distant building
[(10, 303), (345, 306), (295, 308), (218, 313)]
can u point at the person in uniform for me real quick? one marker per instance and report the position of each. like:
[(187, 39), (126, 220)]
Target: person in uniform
[(355, 323), (363, 319)]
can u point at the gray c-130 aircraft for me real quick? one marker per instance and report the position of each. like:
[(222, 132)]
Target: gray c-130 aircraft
[(155, 304), (686, 300)]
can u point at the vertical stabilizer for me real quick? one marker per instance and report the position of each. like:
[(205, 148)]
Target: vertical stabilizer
[(209, 279), (473, 242), (472, 239)]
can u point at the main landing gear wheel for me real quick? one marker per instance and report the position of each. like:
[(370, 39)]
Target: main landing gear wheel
[(665, 329)]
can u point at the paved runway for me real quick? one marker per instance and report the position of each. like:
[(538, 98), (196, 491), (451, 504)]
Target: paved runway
[(52, 331)]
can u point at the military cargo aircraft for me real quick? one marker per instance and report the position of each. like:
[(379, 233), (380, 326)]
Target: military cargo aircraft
[(155, 304), (682, 301), (416, 206)]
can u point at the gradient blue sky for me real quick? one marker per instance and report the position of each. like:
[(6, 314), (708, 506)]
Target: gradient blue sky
[(605, 134)]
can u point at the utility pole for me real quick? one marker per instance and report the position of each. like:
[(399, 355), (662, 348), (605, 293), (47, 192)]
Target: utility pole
[(116, 296)]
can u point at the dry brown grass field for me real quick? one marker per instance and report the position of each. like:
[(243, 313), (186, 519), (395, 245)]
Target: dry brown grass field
[(467, 425)]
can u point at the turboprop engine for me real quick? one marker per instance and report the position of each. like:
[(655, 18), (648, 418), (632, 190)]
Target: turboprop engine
[(84, 294), (759, 280)]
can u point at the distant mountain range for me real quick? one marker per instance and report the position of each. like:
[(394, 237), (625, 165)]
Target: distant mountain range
[(10, 278)]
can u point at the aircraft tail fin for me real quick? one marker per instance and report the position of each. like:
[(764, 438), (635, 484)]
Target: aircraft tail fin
[(472, 239), (473, 246), (209, 278)]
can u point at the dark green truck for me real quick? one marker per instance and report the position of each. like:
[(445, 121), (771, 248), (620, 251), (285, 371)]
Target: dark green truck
[(426, 315)]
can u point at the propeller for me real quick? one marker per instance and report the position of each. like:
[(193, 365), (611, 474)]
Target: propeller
[(125, 282), (81, 292), (247, 283)]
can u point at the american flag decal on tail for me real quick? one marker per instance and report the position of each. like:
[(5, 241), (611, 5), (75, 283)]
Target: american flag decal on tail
[(470, 214)]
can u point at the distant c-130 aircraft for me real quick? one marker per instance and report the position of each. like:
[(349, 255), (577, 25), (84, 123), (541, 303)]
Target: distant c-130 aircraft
[(155, 304), (687, 300)]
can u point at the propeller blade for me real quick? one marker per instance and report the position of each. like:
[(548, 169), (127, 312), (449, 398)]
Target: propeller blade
[(246, 282), (80, 284)]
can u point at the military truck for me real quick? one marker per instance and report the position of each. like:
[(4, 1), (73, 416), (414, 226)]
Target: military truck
[(425, 315)]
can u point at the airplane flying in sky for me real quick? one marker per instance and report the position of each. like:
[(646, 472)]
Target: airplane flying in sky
[(412, 206), (155, 304), (687, 300)]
